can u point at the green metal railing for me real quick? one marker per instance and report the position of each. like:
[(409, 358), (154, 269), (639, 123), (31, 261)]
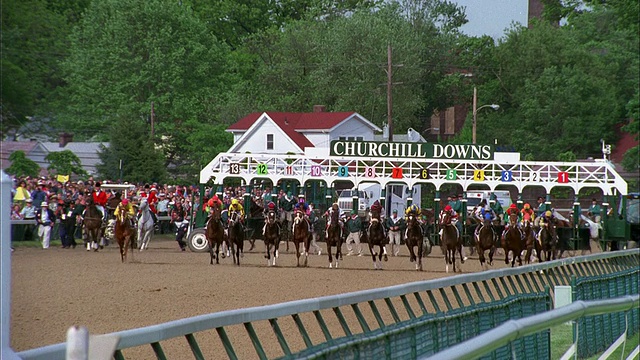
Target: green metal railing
[(286, 329), (516, 330)]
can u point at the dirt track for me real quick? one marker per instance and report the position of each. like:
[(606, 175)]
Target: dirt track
[(56, 288)]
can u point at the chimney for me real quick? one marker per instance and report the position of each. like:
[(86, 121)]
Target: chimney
[(64, 138), (319, 108)]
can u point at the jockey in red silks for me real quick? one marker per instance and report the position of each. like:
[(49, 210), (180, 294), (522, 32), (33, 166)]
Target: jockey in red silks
[(100, 198), (214, 202), (152, 199)]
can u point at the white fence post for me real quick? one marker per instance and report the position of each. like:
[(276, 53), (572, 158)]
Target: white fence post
[(6, 184)]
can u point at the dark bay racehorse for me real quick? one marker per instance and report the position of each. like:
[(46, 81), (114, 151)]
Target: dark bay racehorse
[(334, 238), (512, 242), (271, 237), (530, 243), (376, 237), (236, 236), (92, 221), (449, 241), (301, 235), (215, 234), (124, 234), (485, 241), (548, 241), (255, 211), (414, 238)]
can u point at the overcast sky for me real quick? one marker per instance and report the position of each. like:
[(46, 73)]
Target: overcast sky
[(492, 17)]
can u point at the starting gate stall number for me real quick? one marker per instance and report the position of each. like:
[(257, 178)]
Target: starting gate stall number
[(234, 168), (343, 171), (563, 177), (396, 173), (261, 169), (424, 174), (288, 170), (452, 174), (316, 170), (507, 176), (370, 171), (478, 175)]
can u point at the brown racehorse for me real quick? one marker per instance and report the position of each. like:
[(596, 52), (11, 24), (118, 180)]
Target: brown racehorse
[(548, 241), (512, 242), (92, 220), (450, 240), (530, 242), (124, 233), (215, 234), (334, 237), (236, 236), (414, 239), (271, 237), (301, 235), (375, 235), (485, 241)]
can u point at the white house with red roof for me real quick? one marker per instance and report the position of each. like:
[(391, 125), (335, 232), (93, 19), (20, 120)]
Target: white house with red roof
[(284, 132)]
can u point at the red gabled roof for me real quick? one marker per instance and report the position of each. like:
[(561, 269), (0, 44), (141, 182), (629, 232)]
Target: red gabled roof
[(291, 123)]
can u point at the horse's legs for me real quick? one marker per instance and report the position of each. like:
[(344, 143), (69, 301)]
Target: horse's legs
[(412, 255), (481, 257), (296, 243), (491, 252), (329, 252), (217, 252), (373, 255), (420, 250)]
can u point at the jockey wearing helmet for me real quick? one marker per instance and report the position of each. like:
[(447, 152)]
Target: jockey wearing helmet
[(271, 207), (335, 208), (528, 214), (303, 208), (545, 220), (457, 224), (412, 210), (512, 210), (236, 207), (125, 209)]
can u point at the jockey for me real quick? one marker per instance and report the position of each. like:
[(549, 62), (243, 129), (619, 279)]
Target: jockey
[(454, 219), (236, 207), (415, 211), (126, 209), (528, 215), (100, 198), (213, 203), (480, 214), (152, 199), (341, 215), (271, 207), (302, 207), (377, 208), (512, 210), (546, 219)]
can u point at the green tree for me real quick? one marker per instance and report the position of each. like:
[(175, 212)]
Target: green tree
[(125, 55), (32, 43), (64, 163), (130, 143), (21, 165)]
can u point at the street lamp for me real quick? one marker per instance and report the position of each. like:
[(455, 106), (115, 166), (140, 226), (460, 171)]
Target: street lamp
[(475, 111)]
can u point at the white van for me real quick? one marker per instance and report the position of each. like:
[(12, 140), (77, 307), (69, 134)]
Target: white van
[(474, 198)]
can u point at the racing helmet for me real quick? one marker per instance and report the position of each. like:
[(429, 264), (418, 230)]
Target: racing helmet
[(548, 213), (125, 202), (235, 202), (513, 206), (447, 208), (487, 216), (527, 206)]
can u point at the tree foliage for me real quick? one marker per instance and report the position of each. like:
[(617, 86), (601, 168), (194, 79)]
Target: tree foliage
[(21, 165), (64, 163), (130, 143)]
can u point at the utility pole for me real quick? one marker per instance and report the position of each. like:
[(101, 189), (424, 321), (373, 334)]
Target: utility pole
[(153, 115), (389, 97)]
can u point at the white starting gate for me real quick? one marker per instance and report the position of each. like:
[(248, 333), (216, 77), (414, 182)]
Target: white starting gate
[(503, 169)]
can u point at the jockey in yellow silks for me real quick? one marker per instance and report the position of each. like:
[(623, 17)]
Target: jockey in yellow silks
[(124, 210)]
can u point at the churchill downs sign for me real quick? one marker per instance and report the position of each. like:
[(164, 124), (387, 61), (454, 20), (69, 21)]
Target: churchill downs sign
[(411, 150)]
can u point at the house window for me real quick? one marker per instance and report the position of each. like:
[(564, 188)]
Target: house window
[(269, 141), (359, 138)]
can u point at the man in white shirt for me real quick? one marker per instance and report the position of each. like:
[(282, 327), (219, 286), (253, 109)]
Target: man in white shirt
[(45, 218)]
